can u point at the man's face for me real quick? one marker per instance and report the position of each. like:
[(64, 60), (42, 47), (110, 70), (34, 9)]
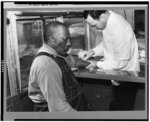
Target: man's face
[(95, 23), (64, 44)]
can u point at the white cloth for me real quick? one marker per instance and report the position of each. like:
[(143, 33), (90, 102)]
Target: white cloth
[(46, 79), (119, 46)]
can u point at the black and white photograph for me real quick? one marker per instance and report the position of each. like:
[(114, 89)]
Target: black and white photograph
[(75, 60)]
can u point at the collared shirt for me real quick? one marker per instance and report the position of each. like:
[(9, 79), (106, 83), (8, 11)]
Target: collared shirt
[(45, 82), (119, 46)]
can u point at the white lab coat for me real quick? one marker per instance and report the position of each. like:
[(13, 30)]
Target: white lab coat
[(119, 46)]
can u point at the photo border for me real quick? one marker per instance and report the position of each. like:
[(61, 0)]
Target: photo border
[(97, 115)]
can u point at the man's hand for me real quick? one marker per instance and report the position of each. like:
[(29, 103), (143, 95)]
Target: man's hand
[(86, 54), (92, 65)]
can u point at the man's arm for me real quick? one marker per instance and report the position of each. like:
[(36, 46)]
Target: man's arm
[(50, 78), (98, 50), (111, 65), (121, 40)]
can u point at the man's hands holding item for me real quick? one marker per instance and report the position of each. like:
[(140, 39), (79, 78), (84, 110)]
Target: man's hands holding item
[(84, 55), (92, 65)]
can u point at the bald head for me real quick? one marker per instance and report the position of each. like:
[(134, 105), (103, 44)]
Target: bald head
[(57, 36), (54, 29)]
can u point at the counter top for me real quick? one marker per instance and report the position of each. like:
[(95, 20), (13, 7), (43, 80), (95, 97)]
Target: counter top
[(119, 75)]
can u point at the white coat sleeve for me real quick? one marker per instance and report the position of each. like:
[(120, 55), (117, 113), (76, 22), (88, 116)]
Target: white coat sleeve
[(98, 50), (111, 65), (123, 39)]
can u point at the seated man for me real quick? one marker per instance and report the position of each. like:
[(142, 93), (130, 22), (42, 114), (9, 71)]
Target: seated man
[(52, 85)]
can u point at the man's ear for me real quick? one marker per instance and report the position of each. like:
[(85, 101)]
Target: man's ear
[(52, 40), (102, 17)]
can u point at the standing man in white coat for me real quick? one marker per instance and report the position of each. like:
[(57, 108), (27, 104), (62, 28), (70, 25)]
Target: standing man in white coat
[(120, 50)]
